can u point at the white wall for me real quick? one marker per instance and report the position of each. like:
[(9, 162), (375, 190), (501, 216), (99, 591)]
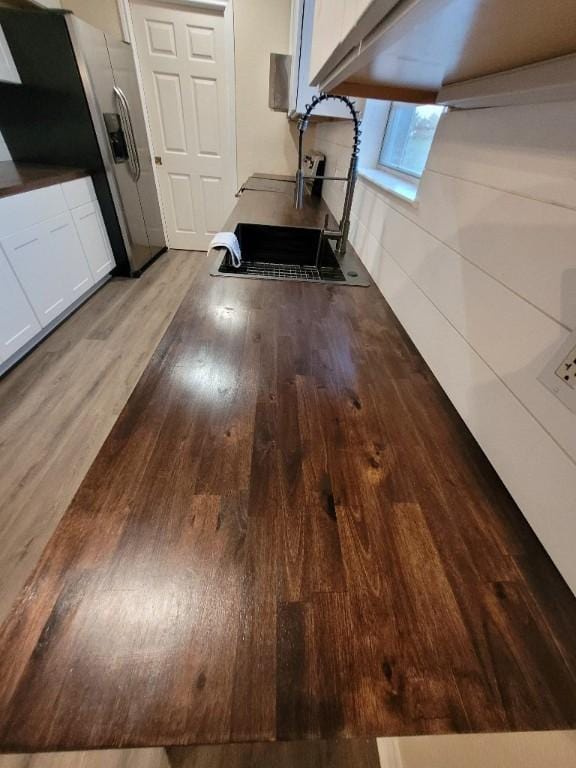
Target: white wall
[(489, 750), (265, 141), (482, 274), (102, 14)]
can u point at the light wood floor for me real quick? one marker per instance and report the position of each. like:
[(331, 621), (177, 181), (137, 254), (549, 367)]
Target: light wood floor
[(126, 758), (56, 409), (59, 404)]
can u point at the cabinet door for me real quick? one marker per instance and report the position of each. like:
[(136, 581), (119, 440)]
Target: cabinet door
[(353, 9), (38, 272), (304, 92), (67, 253), (18, 323), (94, 239), (327, 32), (50, 265)]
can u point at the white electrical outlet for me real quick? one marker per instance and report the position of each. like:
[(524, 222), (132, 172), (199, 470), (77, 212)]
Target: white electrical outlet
[(559, 376), (567, 369)]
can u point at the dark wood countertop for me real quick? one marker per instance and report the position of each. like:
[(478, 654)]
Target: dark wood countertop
[(23, 177), (274, 205), (289, 533)]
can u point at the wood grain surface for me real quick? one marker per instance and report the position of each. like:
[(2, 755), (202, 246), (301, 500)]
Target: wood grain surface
[(352, 753), (288, 534), (24, 177), (59, 404)]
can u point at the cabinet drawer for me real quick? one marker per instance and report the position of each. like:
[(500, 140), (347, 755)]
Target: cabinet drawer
[(17, 212), (18, 323), (78, 192)]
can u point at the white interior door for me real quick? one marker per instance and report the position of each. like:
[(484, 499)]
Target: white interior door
[(182, 56)]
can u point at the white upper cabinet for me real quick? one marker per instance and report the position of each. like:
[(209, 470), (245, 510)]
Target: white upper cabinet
[(328, 26), (413, 50), (339, 26), (18, 323), (301, 92), (8, 71)]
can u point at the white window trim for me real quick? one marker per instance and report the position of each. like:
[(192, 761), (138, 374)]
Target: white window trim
[(398, 184), (390, 168), (403, 187), (394, 182)]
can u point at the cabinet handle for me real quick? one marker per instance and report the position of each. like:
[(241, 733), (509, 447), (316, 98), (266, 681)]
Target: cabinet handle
[(57, 229), (128, 130), (23, 245), (86, 215)]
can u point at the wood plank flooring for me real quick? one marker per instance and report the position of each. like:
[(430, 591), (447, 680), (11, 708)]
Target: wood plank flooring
[(288, 534), (58, 406), (112, 758)]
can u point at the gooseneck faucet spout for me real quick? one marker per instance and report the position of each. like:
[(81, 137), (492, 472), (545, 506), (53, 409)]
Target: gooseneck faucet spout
[(341, 235)]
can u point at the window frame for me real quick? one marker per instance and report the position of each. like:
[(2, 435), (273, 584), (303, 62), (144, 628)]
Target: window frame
[(390, 167)]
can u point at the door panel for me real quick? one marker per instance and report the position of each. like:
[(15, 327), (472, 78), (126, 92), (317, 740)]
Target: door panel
[(212, 194), (205, 103), (169, 100), (161, 38), (201, 43), (181, 186), (182, 54)]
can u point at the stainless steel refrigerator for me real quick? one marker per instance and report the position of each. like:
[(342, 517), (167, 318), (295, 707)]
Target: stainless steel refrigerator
[(79, 104)]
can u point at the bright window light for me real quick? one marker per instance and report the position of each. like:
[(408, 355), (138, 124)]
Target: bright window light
[(408, 137)]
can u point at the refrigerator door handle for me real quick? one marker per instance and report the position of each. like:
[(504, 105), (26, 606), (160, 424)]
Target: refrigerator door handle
[(126, 120)]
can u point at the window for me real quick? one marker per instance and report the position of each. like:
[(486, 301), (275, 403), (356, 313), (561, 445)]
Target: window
[(408, 137)]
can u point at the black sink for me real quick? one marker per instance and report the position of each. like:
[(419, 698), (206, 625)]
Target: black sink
[(284, 253)]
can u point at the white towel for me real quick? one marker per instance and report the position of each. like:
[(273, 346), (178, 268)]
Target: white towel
[(229, 241)]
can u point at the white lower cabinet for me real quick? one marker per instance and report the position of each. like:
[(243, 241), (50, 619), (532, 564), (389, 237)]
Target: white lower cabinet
[(18, 323), (49, 262), (53, 248), (37, 272), (62, 240), (94, 239)]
